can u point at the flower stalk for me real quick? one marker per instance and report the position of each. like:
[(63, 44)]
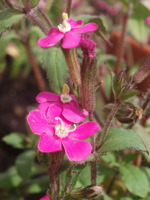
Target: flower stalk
[(73, 65)]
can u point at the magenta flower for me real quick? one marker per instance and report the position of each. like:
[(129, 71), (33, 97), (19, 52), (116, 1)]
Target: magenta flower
[(148, 21), (60, 136), (46, 197), (68, 31), (65, 104)]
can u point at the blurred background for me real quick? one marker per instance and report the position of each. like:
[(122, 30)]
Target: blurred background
[(22, 77)]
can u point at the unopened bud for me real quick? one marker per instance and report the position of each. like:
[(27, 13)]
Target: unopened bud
[(91, 191), (119, 83), (143, 72), (127, 112)]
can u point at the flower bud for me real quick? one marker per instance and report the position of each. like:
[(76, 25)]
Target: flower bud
[(88, 192), (88, 73), (119, 83), (127, 112)]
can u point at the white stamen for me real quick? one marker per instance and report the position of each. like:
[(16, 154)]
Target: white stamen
[(61, 130), (65, 98), (64, 27)]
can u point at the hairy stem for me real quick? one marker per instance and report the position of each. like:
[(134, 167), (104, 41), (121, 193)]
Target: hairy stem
[(56, 159), (45, 17), (99, 120), (35, 18), (68, 7), (108, 123)]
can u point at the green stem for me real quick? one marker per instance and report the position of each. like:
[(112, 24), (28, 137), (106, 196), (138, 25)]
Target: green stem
[(108, 123)]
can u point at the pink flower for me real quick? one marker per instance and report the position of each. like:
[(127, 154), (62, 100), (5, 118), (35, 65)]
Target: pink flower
[(59, 135), (148, 21), (65, 104), (68, 31), (88, 46), (46, 197)]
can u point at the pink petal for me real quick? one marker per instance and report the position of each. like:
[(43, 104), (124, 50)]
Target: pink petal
[(90, 27), (46, 197), (38, 122), (47, 96), (72, 113), (84, 131), (148, 21), (43, 107), (71, 40), (49, 143), (51, 39), (74, 23), (76, 150), (54, 110)]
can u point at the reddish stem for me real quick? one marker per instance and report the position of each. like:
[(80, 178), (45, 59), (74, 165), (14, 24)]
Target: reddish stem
[(121, 42), (37, 73)]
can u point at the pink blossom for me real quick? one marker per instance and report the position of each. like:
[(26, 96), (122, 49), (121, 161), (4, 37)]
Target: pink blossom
[(68, 31), (46, 197), (65, 104), (60, 136), (148, 21), (88, 46)]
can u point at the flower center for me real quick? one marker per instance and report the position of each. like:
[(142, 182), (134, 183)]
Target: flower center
[(61, 130), (65, 26), (65, 98)]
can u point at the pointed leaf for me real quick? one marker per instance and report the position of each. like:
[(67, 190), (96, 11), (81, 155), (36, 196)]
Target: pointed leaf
[(126, 95), (56, 68), (24, 163), (15, 139), (135, 180), (8, 18), (120, 138)]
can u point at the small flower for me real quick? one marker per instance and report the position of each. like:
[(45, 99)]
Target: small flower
[(54, 137), (69, 31), (148, 21), (46, 197), (64, 105), (88, 46)]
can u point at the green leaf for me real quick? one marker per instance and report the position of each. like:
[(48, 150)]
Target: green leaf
[(143, 132), (10, 179), (120, 138), (15, 139), (137, 25), (8, 18), (135, 180), (126, 95), (37, 185), (129, 198), (56, 68), (104, 173), (24, 163)]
